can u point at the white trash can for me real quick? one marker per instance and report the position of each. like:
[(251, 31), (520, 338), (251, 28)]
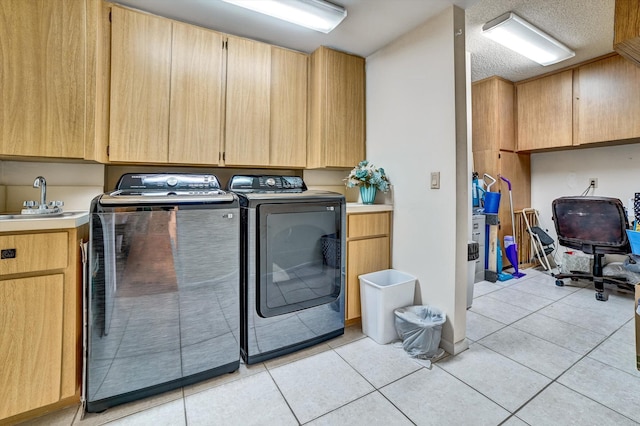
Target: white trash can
[(381, 293)]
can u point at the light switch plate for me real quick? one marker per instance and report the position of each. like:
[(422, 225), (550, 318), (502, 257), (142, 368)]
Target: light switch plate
[(435, 180)]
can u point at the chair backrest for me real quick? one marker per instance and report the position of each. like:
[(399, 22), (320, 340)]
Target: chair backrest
[(593, 225)]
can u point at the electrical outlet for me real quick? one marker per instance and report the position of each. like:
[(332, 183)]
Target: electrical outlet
[(593, 182)]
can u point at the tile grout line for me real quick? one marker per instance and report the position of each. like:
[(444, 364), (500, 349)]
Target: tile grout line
[(184, 407), (268, 371), (376, 389), (553, 380), (537, 311)]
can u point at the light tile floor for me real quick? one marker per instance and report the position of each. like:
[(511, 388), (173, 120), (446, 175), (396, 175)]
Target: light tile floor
[(539, 355)]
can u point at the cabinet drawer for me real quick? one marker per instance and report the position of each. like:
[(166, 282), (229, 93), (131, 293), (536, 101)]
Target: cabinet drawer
[(369, 224), (33, 252)]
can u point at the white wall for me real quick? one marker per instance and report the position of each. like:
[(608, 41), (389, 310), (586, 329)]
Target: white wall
[(416, 124), (562, 173), (76, 184), (73, 183)]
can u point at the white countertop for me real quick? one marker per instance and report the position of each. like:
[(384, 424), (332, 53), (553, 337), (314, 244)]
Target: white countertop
[(69, 219), (368, 208)]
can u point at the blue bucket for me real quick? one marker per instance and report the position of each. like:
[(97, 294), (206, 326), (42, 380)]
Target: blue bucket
[(491, 202), (634, 239)]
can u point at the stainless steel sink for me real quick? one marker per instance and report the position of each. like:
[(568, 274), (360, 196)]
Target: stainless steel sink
[(18, 216)]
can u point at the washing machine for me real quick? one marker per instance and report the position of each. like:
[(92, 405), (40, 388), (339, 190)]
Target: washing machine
[(162, 296), (292, 265)]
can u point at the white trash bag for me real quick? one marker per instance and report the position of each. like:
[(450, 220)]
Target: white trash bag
[(420, 328)]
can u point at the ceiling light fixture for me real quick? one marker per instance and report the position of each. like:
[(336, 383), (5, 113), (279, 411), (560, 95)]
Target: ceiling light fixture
[(319, 15), (515, 33)]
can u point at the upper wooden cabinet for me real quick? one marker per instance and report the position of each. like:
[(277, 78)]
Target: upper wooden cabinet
[(288, 132), (140, 83), (181, 94), (195, 131), (607, 101), (266, 108), (248, 103), (492, 115), (337, 109), (43, 92), (544, 114), (166, 91), (626, 38)]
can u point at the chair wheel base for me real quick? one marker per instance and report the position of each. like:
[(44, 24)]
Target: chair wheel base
[(601, 296), (560, 283)]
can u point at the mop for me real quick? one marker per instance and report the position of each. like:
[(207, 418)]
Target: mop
[(492, 205), (510, 245)]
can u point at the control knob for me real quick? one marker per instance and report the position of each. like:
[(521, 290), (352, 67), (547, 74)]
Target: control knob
[(270, 181)]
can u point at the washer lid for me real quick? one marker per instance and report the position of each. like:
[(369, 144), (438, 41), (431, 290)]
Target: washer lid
[(167, 188)]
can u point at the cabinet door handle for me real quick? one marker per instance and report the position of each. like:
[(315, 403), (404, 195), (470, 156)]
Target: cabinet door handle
[(8, 254)]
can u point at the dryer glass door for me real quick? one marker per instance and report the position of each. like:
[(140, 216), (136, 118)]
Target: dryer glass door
[(299, 256)]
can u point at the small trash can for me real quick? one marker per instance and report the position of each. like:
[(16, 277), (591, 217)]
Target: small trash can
[(420, 328), (380, 293)]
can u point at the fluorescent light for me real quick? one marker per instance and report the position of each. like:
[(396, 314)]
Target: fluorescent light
[(319, 15), (515, 33)]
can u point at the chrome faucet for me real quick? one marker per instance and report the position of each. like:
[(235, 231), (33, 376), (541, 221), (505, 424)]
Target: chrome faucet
[(41, 183), (32, 207)]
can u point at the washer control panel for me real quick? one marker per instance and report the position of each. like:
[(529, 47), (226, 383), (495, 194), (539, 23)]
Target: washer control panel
[(179, 183), (266, 183)]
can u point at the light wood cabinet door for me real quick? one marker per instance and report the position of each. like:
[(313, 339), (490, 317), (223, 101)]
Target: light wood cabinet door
[(626, 29), (195, 125), (492, 103), (42, 78), (288, 130), (607, 101), (545, 112), (140, 83), (337, 109), (248, 103), (363, 256), (31, 330)]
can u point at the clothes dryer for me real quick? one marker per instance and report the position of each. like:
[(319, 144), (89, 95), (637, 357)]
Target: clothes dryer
[(292, 265)]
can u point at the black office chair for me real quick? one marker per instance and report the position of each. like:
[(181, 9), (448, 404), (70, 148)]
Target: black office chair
[(594, 225)]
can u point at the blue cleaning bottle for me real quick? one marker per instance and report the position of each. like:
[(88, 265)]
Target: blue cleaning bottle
[(474, 190)]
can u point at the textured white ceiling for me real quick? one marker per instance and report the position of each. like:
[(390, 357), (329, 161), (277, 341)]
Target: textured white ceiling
[(584, 25), (369, 25)]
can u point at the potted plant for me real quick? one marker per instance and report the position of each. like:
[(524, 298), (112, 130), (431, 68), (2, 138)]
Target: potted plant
[(369, 178)]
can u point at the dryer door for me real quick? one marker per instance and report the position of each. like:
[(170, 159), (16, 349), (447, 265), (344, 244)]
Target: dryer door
[(299, 256)]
